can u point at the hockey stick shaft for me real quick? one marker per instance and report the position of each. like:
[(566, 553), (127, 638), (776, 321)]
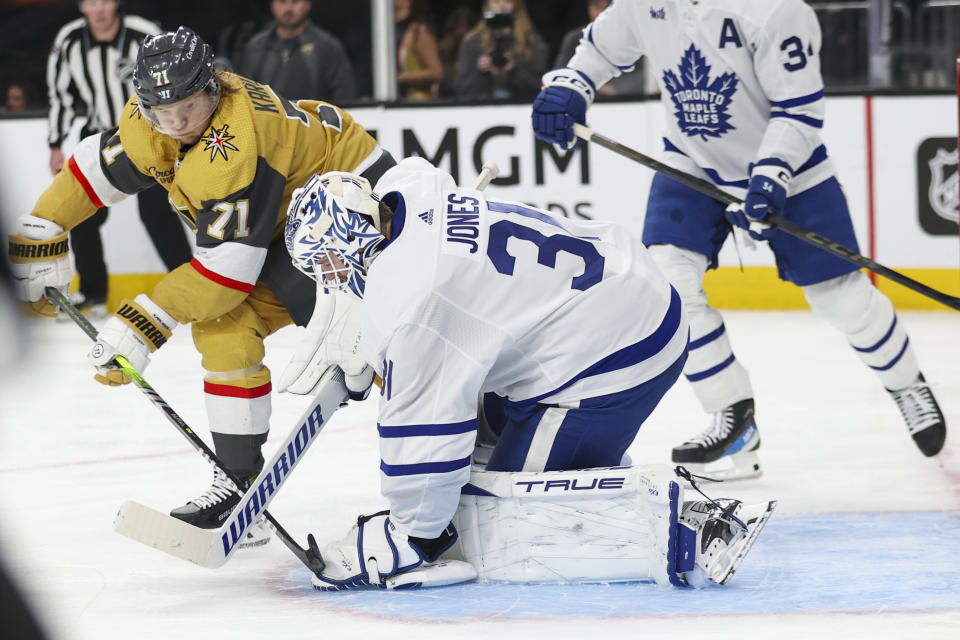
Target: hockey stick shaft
[(709, 189), (211, 548), (55, 296)]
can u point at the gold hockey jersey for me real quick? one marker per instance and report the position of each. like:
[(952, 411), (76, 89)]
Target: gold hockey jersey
[(232, 187)]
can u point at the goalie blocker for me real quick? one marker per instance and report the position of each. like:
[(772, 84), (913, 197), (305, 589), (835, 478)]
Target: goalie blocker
[(601, 525)]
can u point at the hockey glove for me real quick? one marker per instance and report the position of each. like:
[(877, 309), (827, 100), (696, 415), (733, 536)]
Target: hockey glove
[(766, 195), (137, 329), (39, 258), (375, 555), (332, 338), (563, 100)]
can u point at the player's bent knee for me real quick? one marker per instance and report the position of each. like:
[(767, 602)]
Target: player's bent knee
[(849, 302)]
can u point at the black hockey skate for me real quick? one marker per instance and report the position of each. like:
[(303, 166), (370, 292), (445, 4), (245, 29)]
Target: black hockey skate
[(725, 531), (209, 510), (727, 449), (923, 416)]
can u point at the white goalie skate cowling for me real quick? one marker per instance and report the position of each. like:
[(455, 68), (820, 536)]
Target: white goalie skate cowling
[(712, 544)]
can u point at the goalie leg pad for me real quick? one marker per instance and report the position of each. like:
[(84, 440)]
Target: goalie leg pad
[(595, 525)]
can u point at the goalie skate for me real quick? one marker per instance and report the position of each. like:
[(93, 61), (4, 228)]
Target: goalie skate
[(727, 450), (721, 542)]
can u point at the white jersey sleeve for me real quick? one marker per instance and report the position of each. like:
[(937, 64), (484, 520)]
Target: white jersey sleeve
[(427, 427), (611, 44), (787, 64)]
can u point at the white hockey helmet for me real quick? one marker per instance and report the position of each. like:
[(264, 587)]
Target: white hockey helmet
[(332, 230)]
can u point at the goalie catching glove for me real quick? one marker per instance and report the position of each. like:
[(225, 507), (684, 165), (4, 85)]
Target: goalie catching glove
[(135, 330), (375, 555), (332, 338), (39, 258)]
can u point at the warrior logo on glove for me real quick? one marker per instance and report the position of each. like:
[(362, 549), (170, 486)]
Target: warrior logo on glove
[(332, 230)]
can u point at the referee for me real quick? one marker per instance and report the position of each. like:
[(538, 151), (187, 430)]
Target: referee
[(89, 75)]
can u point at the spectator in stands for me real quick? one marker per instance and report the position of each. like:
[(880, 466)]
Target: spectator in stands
[(418, 59), (89, 80), (17, 98), (297, 58), (503, 57), (455, 28), (629, 83), (247, 18)]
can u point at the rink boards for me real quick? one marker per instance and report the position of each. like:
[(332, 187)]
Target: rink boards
[(895, 156)]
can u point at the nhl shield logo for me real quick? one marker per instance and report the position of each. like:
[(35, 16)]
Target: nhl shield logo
[(938, 186), (701, 103), (944, 192)]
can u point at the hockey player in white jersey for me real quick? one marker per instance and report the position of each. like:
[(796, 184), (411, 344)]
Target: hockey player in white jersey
[(565, 329), (740, 81)]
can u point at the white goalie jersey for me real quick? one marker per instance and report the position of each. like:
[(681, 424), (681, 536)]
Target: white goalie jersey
[(740, 81), (474, 295)]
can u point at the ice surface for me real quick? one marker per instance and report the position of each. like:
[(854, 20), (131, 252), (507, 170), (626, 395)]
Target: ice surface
[(864, 541)]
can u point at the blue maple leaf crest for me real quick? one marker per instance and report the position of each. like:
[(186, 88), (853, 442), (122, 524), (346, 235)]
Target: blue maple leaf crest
[(701, 103)]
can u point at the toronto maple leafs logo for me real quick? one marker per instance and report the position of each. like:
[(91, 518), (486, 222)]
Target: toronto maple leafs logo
[(218, 142), (701, 103)]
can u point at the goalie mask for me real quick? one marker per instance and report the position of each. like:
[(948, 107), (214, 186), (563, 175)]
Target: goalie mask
[(332, 232)]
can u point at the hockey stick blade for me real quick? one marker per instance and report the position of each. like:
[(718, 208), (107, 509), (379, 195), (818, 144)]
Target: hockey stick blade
[(163, 532), (307, 556), (784, 225), (211, 548)]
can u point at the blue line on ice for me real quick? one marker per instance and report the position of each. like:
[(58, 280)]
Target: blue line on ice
[(800, 563)]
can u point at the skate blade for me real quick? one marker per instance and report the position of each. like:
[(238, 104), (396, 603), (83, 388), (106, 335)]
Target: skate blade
[(755, 516), (740, 466), (258, 535)]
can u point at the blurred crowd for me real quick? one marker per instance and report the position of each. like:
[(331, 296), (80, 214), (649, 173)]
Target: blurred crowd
[(448, 50)]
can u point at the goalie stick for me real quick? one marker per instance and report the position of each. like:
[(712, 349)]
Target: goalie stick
[(707, 188), (489, 171), (309, 557), (211, 548)]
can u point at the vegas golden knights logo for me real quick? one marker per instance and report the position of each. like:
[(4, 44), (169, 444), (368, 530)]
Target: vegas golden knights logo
[(217, 142)]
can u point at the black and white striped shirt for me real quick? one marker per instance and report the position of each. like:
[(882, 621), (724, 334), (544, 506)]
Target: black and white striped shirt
[(91, 80)]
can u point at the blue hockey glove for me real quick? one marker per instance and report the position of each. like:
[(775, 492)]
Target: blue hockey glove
[(374, 555), (766, 195), (563, 100)]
